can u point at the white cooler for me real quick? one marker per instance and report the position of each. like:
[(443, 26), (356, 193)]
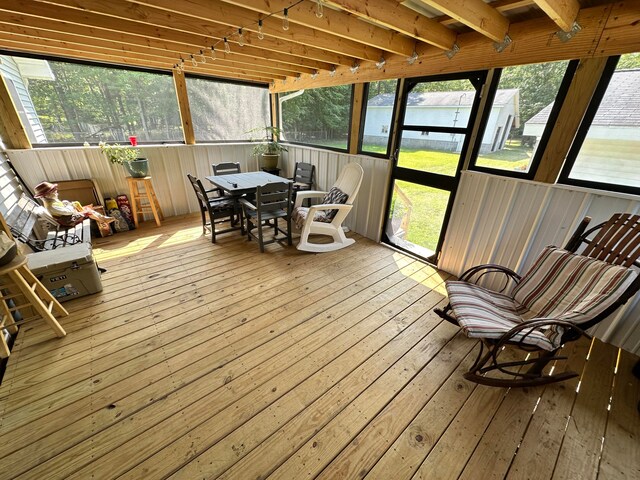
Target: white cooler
[(68, 272)]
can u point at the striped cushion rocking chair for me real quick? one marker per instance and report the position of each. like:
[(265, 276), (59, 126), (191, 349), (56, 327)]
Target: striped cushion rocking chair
[(562, 295)]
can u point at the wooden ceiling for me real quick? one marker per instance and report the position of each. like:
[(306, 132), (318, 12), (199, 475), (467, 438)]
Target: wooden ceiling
[(352, 41)]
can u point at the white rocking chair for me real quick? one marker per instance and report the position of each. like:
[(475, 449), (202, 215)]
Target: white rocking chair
[(316, 219)]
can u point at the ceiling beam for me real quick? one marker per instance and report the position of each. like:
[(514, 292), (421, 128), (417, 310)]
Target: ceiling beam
[(606, 30), (333, 22), (14, 32), (216, 19), (45, 28), (563, 12), (503, 6), (217, 64), (391, 14), (475, 14), (75, 21), (73, 53)]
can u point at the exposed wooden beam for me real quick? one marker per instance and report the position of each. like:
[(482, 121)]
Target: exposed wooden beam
[(356, 117), (37, 36), (73, 53), (183, 105), (216, 19), (503, 6), (475, 14), (391, 14), (12, 131), (333, 22), (533, 42), (573, 109), (48, 16), (563, 12)]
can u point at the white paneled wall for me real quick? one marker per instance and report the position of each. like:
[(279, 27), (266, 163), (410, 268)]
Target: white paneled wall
[(168, 165), (508, 222)]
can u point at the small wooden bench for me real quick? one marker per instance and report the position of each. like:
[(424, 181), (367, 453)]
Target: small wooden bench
[(30, 223)]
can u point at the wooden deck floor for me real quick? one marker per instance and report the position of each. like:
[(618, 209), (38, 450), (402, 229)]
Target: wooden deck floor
[(216, 361)]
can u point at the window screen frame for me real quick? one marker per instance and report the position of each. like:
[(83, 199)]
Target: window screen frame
[(583, 131), (546, 134), (323, 147), (363, 117)]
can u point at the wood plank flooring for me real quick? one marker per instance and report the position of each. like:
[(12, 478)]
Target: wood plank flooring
[(216, 361)]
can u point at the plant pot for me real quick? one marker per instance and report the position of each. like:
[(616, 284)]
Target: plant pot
[(270, 161), (138, 168)]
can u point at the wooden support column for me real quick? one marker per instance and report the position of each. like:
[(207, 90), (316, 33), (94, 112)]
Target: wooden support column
[(356, 117), (12, 130), (183, 104), (573, 109), (273, 97)]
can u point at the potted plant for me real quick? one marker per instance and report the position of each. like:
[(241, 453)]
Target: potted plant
[(137, 166), (269, 148)]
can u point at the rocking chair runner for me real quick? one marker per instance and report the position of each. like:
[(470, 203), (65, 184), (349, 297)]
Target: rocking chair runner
[(562, 295)]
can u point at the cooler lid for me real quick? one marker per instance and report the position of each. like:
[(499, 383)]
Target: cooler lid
[(61, 257)]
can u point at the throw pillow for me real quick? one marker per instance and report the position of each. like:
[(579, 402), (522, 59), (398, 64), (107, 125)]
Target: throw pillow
[(335, 195)]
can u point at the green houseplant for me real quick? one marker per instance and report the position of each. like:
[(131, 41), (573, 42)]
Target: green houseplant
[(137, 166), (269, 148)]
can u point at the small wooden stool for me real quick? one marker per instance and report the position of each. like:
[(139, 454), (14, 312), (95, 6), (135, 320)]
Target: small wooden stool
[(151, 204), (17, 283)]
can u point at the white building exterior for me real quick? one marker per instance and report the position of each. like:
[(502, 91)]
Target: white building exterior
[(611, 151), (442, 109)]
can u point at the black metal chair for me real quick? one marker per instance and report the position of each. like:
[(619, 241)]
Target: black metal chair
[(220, 210), (272, 202), (303, 177), (563, 294)]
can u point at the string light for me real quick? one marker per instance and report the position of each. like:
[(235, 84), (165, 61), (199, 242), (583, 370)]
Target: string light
[(213, 52), (176, 67), (260, 32), (314, 75), (355, 67), (285, 19), (194, 62), (332, 72), (240, 37), (381, 63), (181, 66), (227, 48), (201, 57), (412, 59), (319, 12)]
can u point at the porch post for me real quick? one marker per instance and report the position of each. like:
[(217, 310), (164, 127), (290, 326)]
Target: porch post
[(183, 104), (12, 130)]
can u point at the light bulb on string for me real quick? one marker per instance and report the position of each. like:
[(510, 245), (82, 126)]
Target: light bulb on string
[(240, 37), (213, 52), (194, 62), (285, 19), (314, 75), (381, 63), (332, 72), (202, 58), (227, 48), (260, 32), (319, 12), (355, 67), (177, 69), (181, 65)]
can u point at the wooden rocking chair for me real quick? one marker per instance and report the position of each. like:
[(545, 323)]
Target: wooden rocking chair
[(563, 294)]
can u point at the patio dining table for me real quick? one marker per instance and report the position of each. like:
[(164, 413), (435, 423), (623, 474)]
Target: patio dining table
[(238, 184)]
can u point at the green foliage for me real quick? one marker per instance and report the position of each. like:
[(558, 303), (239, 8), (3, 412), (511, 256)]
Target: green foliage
[(119, 153), (91, 103), (318, 112), (630, 60), (269, 142)]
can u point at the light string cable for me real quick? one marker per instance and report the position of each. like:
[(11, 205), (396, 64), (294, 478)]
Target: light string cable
[(198, 57)]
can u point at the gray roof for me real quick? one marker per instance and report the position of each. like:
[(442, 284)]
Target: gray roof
[(441, 99), (619, 106)]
